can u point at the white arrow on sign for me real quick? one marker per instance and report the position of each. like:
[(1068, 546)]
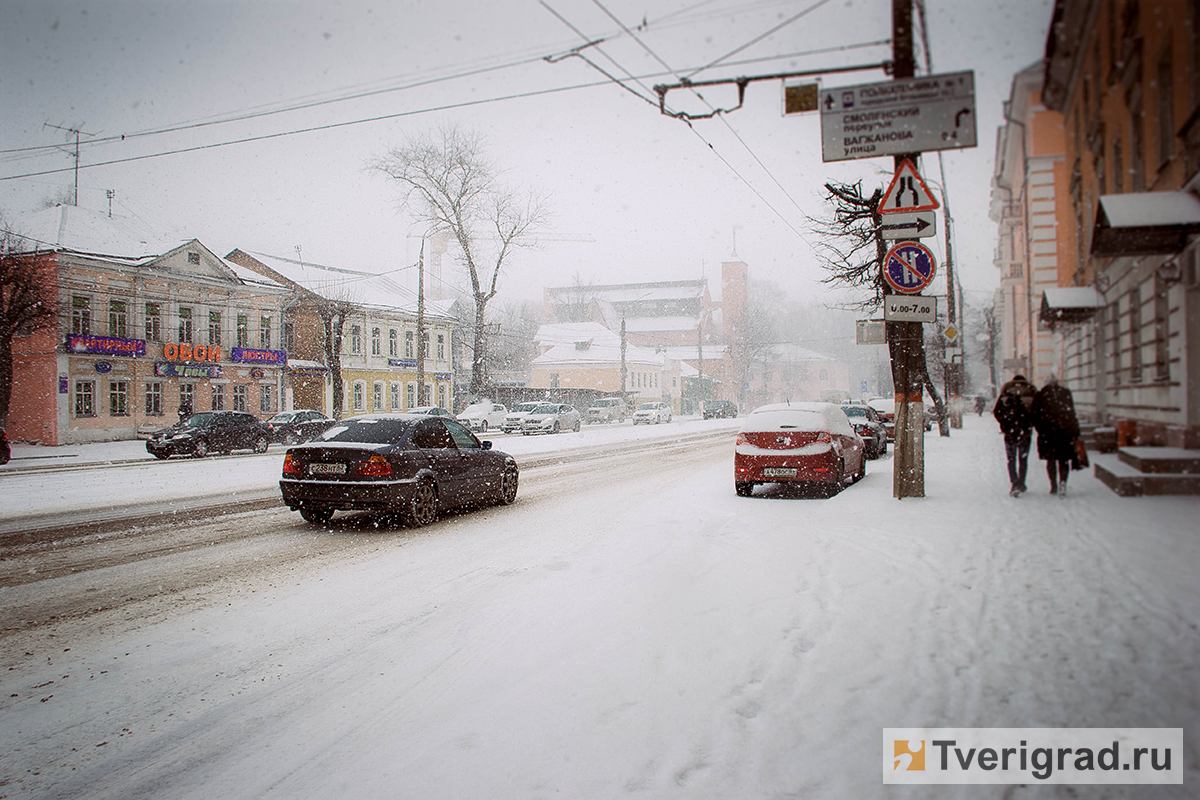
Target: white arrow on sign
[(909, 226)]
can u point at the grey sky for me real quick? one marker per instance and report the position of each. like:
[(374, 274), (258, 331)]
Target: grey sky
[(660, 199)]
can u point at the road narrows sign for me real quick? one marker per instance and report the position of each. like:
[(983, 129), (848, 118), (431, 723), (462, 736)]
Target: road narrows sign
[(909, 267), (907, 192)]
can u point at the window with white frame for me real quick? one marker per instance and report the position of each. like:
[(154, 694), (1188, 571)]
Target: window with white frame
[(118, 319), (411, 395), (154, 398), (264, 333), (358, 395), (376, 342), (241, 397), (408, 344), (85, 398), (395, 392), (442, 395), (81, 317), (243, 330), (153, 322), (355, 339), (118, 398), (266, 401), (377, 396), (393, 344), (214, 329), (441, 351), (218, 397), (187, 396), (185, 325)]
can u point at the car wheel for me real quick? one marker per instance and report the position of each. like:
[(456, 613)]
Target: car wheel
[(483, 426), (883, 447), (508, 487), (201, 449), (292, 437), (743, 489), (261, 444), (577, 426), (423, 507), (316, 516), (555, 428), (156, 455), (862, 468)]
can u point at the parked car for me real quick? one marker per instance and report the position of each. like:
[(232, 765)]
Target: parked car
[(797, 443), (607, 409), (869, 427), (483, 415), (293, 427), (517, 414), (885, 407), (719, 409), (5, 447), (652, 414), (430, 411), (413, 465), (551, 418), (211, 432)]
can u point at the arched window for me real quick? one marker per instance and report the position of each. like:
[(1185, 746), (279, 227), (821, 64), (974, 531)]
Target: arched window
[(376, 342), (393, 344), (358, 396)]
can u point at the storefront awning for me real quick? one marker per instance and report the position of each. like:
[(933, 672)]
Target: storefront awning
[(1069, 304), (1145, 223)]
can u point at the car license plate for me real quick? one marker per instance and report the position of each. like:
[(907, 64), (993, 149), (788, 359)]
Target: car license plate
[(779, 472), (328, 469)]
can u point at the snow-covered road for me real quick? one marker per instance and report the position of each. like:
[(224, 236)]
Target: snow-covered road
[(648, 634)]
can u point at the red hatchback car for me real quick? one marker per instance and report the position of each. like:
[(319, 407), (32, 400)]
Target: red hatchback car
[(797, 443)]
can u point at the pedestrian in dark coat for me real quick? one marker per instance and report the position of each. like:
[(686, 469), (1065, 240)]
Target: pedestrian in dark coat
[(1057, 429), (1013, 411)]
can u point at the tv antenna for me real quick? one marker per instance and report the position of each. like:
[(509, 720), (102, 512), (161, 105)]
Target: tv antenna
[(77, 132)]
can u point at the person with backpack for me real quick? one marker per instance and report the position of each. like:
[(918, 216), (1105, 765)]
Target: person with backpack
[(1057, 429), (1014, 412)]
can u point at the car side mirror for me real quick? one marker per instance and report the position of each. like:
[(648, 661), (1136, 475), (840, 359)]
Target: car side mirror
[(486, 444)]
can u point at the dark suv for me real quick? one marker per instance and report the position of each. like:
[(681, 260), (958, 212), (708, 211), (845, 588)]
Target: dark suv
[(211, 432), (293, 427), (717, 409)]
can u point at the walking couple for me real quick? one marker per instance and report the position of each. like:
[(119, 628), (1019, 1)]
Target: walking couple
[(1051, 410)]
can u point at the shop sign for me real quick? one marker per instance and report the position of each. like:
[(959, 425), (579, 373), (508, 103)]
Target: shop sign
[(103, 367), (247, 356), (257, 374), (187, 370), (110, 345), (187, 352)]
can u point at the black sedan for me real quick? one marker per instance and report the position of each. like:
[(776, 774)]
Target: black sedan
[(869, 426), (211, 432), (293, 427), (407, 464)]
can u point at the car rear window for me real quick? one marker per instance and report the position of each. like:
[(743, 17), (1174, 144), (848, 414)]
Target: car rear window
[(368, 430), (854, 411)]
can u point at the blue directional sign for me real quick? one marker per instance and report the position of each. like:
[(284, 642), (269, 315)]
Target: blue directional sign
[(909, 267)]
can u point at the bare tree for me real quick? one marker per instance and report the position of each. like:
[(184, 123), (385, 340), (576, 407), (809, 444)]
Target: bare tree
[(457, 191), (28, 302), (333, 313)]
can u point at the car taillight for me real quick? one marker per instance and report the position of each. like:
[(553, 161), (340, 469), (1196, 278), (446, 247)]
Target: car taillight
[(824, 436), (375, 465), (741, 439), (290, 465)]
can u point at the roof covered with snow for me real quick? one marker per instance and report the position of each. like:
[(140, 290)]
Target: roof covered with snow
[(90, 232), (1150, 209)]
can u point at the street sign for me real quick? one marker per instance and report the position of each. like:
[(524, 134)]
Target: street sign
[(907, 308), (950, 334), (870, 331), (909, 267), (801, 98), (934, 112), (907, 192), (917, 225)]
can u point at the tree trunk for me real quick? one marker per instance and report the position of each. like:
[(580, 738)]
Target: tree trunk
[(478, 377)]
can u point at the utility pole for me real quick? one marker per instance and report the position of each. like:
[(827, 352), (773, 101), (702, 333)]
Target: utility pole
[(421, 399), (77, 132), (700, 353), (624, 369), (905, 339)]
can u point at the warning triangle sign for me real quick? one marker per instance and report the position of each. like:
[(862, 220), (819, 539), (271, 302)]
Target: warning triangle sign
[(907, 192)]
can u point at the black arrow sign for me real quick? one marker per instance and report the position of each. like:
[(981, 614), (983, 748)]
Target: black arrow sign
[(919, 225)]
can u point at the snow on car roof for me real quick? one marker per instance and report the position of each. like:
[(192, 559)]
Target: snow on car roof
[(807, 417)]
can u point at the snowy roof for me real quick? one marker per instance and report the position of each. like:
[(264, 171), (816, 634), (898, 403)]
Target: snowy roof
[(597, 352), (571, 332), (641, 324), (680, 352), (631, 292), (368, 289), (1144, 223), (1073, 297), (82, 230)]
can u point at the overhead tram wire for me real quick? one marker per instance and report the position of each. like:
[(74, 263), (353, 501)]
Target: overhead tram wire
[(759, 38)]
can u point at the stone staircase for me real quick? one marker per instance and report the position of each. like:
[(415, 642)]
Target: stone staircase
[(1137, 471)]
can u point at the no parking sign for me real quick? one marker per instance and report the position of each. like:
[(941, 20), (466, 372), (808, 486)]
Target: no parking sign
[(909, 267)]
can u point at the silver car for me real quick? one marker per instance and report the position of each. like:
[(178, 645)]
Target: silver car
[(518, 413), (551, 418), (652, 414)]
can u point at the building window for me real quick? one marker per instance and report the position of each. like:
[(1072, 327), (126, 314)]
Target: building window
[(242, 335), (185, 325), (153, 323), (266, 400), (154, 394), (378, 397), (289, 336), (553, 380), (193, 258), (412, 393), (1135, 334), (441, 347), (118, 320), (218, 397), (355, 338), (187, 397), (85, 398), (118, 398), (395, 394), (214, 329), (376, 342), (425, 344), (241, 397), (442, 395), (393, 344), (1166, 124), (81, 317), (264, 333), (408, 344), (1162, 310), (358, 396), (824, 375)]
